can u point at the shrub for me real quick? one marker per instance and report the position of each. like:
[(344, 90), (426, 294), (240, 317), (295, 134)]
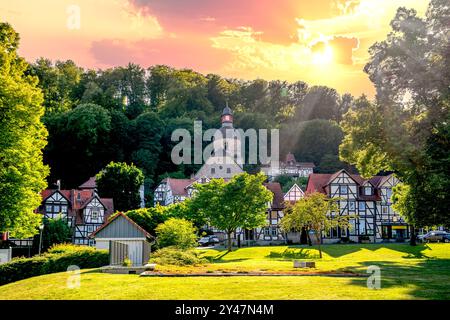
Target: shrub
[(177, 256), (58, 259), (127, 263), (176, 232), (69, 248)]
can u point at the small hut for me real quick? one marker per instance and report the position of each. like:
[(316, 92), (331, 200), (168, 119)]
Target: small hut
[(124, 239)]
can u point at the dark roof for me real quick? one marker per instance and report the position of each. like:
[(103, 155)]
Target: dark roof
[(121, 214), (278, 198), (227, 111)]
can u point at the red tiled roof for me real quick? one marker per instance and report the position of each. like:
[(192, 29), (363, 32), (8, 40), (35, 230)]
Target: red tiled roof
[(318, 182), (278, 199), (290, 157), (90, 184), (178, 186), (77, 203)]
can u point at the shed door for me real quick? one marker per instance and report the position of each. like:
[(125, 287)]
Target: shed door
[(135, 252), (117, 253)]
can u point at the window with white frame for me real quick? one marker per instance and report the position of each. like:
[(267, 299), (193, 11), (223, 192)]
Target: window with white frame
[(343, 189), (368, 191)]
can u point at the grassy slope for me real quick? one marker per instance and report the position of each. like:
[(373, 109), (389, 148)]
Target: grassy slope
[(407, 273)]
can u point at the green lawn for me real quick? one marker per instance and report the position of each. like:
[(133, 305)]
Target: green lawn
[(421, 272)]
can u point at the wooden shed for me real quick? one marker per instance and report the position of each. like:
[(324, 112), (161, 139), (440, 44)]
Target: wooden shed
[(124, 239)]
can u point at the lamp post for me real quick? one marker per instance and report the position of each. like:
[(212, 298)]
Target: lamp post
[(41, 228)]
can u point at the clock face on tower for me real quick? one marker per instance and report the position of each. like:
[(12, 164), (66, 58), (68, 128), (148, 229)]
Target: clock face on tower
[(227, 118)]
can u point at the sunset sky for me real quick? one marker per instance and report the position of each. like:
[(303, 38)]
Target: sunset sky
[(318, 41)]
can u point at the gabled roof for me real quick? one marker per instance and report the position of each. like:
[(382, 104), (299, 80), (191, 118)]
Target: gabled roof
[(317, 182), (290, 157), (278, 198), (178, 186), (121, 214), (78, 200), (47, 193), (89, 184), (294, 187)]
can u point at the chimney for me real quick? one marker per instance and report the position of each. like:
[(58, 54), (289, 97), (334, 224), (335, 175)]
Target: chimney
[(58, 184)]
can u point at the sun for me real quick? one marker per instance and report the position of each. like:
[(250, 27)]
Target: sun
[(324, 56)]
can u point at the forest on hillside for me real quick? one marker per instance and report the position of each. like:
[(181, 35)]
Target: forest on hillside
[(128, 114)]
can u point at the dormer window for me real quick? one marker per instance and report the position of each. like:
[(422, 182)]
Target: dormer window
[(368, 191)]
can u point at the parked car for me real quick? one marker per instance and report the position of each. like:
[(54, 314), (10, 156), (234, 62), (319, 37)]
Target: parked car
[(208, 241), (435, 236)]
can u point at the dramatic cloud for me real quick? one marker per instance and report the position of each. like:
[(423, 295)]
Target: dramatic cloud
[(286, 39)]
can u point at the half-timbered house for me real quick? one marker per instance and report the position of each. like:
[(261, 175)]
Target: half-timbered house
[(84, 210), (368, 204)]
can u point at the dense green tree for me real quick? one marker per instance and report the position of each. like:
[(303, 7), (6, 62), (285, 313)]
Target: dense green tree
[(148, 218), (121, 182), (55, 231), (78, 143), (405, 130), (311, 141), (58, 82), (22, 138), (239, 203), (319, 103), (158, 84)]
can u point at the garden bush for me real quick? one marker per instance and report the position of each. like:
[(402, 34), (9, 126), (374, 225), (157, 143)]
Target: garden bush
[(176, 232), (177, 256), (58, 259)]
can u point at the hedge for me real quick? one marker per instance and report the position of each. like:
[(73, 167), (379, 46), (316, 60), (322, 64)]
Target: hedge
[(56, 260)]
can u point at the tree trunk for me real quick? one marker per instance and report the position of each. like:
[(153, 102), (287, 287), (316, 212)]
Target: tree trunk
[(229, 240), (309, 238), (319, 240), (412, 240)]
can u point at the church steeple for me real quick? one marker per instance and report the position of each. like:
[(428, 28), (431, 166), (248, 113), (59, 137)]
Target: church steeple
[(227, 117)]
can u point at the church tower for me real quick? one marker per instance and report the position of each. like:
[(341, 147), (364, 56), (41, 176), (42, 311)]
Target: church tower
[(227, 117), (226, 160)]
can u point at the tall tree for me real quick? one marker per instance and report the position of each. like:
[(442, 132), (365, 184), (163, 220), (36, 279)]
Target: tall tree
[(58, 82), (22, 138), (78, 143), (239, 203), (121, 182), (319, 103), (399, 132)]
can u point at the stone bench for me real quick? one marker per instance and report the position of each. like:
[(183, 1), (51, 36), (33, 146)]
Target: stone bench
[(304, 264)]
